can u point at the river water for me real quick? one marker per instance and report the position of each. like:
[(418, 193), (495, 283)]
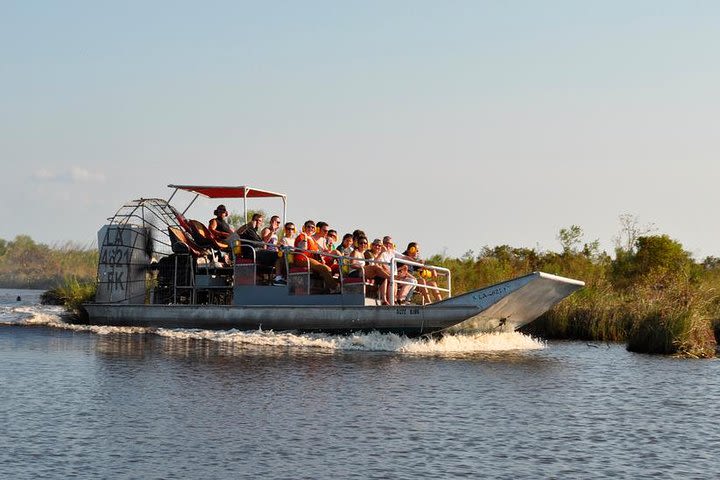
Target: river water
[(103, 402)]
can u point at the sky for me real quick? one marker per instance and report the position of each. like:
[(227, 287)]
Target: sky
[(457, 124)]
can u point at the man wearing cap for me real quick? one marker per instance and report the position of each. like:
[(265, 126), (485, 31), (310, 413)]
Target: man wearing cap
[(218, 226)]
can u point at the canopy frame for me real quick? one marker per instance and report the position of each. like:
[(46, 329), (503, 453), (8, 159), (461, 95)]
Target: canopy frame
[(229, 191)]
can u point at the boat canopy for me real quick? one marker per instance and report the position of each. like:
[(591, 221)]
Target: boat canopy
[(210, 191), (229, 191)]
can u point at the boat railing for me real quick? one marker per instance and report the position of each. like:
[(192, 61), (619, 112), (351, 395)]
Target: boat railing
[(298, 276), (294, 271), (440, 272)]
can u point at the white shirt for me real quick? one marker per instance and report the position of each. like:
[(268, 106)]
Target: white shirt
[(321, 242), (387, 256), (287, 241)]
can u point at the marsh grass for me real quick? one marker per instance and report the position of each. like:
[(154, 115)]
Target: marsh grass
[(598, 315), (659, 302), (663, 314), (72, 293), (674, 316)]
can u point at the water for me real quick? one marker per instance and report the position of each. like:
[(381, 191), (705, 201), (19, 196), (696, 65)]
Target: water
[(93, 402)]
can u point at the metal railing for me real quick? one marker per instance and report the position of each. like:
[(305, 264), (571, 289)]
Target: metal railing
[(345, 261)]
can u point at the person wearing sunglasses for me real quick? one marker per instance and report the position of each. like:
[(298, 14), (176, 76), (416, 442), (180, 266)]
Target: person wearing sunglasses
[(423, 276), (288, 236), (250, 235), (307, 243), (402, 273), (372, 271), (344, 249), (287, 240), (269, 234), (330, 240), (321, 231)]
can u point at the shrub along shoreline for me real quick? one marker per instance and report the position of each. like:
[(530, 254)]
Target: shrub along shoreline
[(66, 271), (652, 296)]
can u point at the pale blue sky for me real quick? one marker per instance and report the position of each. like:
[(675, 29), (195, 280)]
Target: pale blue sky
[(456, 124)]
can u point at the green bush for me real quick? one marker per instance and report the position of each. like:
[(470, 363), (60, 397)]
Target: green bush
[(654, 296), (72, 294), (653, 255), (673, 315)]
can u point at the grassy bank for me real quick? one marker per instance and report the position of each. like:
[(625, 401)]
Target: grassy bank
[(66, 271), (26, 264), (653, 296), (677, 318)]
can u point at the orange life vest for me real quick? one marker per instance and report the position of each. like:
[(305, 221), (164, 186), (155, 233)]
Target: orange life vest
[(310, 244)]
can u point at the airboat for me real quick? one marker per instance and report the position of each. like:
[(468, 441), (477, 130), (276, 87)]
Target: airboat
[(157, 268)]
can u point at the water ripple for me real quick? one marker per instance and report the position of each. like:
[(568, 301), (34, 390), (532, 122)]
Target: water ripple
[(102, 403)]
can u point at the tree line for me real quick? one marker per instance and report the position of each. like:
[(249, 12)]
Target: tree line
[(25, 263)]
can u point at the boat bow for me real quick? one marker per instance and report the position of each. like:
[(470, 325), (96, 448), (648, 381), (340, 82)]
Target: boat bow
[(509, 305)]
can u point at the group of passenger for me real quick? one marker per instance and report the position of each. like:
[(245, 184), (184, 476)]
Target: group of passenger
[(371, 261)]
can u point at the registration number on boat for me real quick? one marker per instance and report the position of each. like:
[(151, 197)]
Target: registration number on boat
[(407, 311)]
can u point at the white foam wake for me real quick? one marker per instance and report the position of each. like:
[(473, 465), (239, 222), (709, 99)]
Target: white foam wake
[(53, 316), (27, 315), (371, 342)]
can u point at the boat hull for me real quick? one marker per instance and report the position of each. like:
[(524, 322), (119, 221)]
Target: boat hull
[(505, 306), (407, 320)]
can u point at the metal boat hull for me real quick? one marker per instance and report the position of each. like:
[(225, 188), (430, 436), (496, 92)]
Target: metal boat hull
[(505, 306), (408, 320)]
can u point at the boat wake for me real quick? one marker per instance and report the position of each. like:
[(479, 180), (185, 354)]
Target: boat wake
[(370, 342), (30, 315)]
